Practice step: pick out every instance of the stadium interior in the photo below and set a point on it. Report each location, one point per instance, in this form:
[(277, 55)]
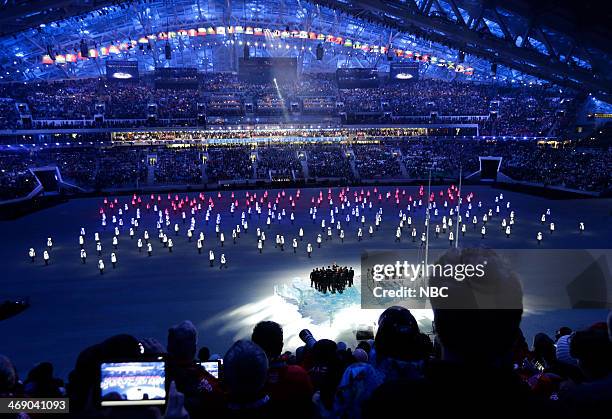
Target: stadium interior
[(485, 124)]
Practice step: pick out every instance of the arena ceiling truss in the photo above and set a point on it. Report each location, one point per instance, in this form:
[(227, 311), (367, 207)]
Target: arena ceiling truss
[(524, 43), (566, 42)]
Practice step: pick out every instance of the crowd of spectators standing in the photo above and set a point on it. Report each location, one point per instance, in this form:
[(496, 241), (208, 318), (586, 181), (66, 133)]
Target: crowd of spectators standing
[(530, 110), (476, 362)]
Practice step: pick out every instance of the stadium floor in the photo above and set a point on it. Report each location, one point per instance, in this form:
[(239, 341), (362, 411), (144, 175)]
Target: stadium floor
[(73, 306)]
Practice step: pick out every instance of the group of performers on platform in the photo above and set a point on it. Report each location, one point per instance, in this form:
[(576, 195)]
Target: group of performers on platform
[(333, 278)]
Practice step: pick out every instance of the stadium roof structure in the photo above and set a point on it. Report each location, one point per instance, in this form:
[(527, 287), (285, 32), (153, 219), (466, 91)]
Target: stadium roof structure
[(565, 42)]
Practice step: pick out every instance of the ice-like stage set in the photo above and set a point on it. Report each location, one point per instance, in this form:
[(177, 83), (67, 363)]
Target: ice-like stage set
[(319, 307)]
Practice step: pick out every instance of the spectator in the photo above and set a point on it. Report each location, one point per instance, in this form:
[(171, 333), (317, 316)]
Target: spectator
[(245, 370), (563, 331), (9, 382), (476, 371), (399, 346), (593, 350), (83, 380), (204, 354), (356, 386), (325, 373), (481, 338), (288, 386), (542, 369), (563, 350), (40, 382), (201, 390), (360, 355)]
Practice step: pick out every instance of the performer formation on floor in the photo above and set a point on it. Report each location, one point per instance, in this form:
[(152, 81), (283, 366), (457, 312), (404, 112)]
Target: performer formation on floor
[(210, 222)]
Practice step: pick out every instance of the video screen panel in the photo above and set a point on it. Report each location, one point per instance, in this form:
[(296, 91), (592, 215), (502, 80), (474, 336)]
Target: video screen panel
[(357, 78), (122, 70), (132, 383), (176, 72), (403, 72), (266, 69), (176, 78), (212, 367)]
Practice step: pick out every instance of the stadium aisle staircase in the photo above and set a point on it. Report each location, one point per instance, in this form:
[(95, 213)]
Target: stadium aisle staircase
[(400, 161), (353, 165), (304, 163), (204, 175), (255, 161), (151, 175)]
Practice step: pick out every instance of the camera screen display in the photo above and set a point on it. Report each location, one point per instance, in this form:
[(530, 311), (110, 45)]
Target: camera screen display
[(212, 367), (132, 383)]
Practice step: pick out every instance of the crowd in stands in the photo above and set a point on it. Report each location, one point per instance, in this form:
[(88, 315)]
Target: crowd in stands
[(522, 113), (566, 166), (86, 167), (243, 134), (270, 105), (476, 362), (176, 104), (178, 166), (443, 158), (15, 178), (76, 165), (8, 113), (126, 101), (229, 163), (437, 95), (224, 105), (376, 161), (328, 162), (584, 167), (525, 111), (121, 167), (65, 99), (280, 162)]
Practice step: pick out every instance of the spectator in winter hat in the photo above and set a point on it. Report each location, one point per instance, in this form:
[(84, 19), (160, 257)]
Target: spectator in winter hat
[(245, 371)]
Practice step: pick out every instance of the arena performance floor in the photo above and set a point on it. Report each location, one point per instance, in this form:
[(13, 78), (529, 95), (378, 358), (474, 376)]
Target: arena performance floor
[(73, 306)]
